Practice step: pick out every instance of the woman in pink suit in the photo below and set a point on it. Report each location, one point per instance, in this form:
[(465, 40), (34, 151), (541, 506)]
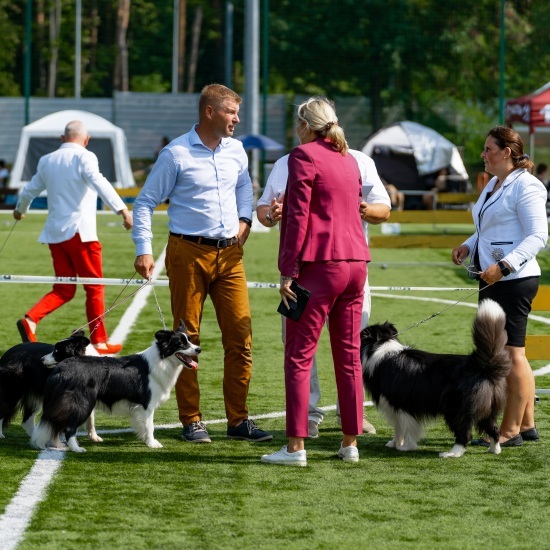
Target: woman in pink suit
[(323, 248)]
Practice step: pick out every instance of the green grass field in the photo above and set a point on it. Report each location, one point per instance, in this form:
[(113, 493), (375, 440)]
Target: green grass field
[(121, 494)]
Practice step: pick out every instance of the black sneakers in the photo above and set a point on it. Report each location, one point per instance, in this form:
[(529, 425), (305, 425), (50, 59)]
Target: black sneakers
[(248, 431), (195, 433)]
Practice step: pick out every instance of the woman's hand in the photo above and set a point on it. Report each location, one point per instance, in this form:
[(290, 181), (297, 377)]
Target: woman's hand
[(460, 253), (285, 292), (492, 274)]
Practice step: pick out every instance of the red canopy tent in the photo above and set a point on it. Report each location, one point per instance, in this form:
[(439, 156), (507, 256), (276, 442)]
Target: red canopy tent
[(531, 109)]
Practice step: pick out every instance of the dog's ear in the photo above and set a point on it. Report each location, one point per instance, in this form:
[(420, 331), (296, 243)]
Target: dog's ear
[(163, 336), (182, 328), (79, 332)]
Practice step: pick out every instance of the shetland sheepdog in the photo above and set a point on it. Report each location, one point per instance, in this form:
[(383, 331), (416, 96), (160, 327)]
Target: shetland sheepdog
[(410, 387)]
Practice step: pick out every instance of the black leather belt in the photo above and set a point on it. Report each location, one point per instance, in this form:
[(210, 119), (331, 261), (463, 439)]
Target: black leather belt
[(218, 243)]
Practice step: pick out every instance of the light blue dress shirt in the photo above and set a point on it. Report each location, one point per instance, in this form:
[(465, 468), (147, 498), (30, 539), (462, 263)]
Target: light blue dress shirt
[(208, 190)]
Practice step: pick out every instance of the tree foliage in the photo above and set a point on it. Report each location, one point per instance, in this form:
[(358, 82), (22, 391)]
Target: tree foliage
[(431, 61)]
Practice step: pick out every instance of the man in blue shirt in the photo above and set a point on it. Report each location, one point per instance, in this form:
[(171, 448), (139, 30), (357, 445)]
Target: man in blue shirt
[(204, 174)]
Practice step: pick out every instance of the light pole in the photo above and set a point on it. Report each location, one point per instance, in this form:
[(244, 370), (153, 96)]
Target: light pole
[(502, 55)]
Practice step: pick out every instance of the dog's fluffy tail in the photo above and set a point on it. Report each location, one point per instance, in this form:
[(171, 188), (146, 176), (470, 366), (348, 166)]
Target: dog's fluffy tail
[(489, 335), (42, 435)]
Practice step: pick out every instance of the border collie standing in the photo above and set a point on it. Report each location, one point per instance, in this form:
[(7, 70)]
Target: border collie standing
[(410, 386), (24, 371), (132, 385)]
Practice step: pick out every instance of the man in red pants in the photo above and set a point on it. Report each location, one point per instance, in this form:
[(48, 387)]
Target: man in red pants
[(73, 181)]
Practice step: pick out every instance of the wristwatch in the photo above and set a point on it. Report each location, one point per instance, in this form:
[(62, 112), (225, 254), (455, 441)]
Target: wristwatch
[(269, 218), (246, 220), (503, 268)]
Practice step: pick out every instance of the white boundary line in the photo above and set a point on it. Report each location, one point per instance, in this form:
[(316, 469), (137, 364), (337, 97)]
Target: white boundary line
[(19, 512)]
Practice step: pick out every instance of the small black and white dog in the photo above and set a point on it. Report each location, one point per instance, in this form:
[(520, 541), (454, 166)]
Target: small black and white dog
[(410, 386), (24, 371), (131, 385)]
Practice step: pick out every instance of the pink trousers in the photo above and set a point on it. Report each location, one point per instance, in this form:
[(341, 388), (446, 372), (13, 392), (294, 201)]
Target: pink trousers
[(337, 291), (73, 258)]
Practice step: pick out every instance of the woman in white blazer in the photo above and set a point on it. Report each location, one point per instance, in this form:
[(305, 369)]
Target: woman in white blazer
[(511, 228)]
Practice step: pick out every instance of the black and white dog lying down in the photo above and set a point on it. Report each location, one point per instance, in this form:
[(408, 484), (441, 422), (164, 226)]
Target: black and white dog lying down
[(410, 386), (131, 385), (24, 371)]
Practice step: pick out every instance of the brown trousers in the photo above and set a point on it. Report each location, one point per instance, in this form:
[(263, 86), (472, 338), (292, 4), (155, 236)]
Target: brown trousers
[(195, 271)]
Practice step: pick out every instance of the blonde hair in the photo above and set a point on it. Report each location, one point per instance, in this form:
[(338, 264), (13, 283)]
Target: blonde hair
[(216, 95), (319, 115)]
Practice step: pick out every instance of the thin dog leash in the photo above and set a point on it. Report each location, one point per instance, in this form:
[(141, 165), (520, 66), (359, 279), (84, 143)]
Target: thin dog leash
[(443, 310), (114, 304), (158, 305), (9, 235)]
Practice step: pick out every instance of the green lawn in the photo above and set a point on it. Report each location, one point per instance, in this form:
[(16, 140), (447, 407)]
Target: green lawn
[(120, 494)]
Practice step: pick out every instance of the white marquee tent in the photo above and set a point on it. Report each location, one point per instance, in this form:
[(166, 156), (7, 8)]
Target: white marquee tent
[(107, 141)]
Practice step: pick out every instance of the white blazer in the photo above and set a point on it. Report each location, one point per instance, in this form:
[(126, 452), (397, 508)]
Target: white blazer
[(511, 225), (73, 181)]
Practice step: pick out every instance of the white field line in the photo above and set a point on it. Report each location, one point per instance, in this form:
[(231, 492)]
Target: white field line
[(18, 513), (32, 490)]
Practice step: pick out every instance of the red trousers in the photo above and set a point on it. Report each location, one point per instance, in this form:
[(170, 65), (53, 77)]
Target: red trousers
[(73, 258), (337, 292)]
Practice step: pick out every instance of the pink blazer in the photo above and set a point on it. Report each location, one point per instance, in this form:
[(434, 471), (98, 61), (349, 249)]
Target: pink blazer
[(321, 220)]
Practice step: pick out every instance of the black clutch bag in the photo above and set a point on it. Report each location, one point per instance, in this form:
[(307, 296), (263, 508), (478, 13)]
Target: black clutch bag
[(296, 308)]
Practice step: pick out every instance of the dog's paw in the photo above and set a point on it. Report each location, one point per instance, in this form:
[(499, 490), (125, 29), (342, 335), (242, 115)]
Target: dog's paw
[(494, 448), (154, 444), (456, 452), (95, 438), (391, 444), (2, 436)]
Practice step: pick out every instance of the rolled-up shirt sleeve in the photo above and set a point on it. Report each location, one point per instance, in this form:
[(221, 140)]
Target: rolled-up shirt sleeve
[(243, 190)]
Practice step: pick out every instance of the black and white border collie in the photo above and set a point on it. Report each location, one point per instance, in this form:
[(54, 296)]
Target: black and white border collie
[(24, 371), (410, 386), (131, 385)]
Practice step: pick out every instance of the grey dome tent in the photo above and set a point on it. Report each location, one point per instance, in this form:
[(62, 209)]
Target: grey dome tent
[(407, 154), (107, 141)]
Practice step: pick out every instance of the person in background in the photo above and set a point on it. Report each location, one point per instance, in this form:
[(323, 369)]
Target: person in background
[(204, 173), (374, 209), (397, 198), (323, 248), (511, 228), (4, 173), (542, 173), (72, 179)]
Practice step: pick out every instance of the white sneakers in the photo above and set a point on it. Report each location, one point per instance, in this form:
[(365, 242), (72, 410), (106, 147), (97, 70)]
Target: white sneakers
[(298, 458), (283, 457), (368, 428), (348, 454)]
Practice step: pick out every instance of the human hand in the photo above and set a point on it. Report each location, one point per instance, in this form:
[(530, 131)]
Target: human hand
[(144, 265), (127, 219), (491, 275), (460, 253), (276, 209), (285, 291), (17, 215), (363, 206), (244, 232)]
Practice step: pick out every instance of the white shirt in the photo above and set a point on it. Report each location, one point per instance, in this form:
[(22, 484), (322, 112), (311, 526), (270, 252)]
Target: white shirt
[(208, 190), (511, 225), (373, 190), (73, 181)]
